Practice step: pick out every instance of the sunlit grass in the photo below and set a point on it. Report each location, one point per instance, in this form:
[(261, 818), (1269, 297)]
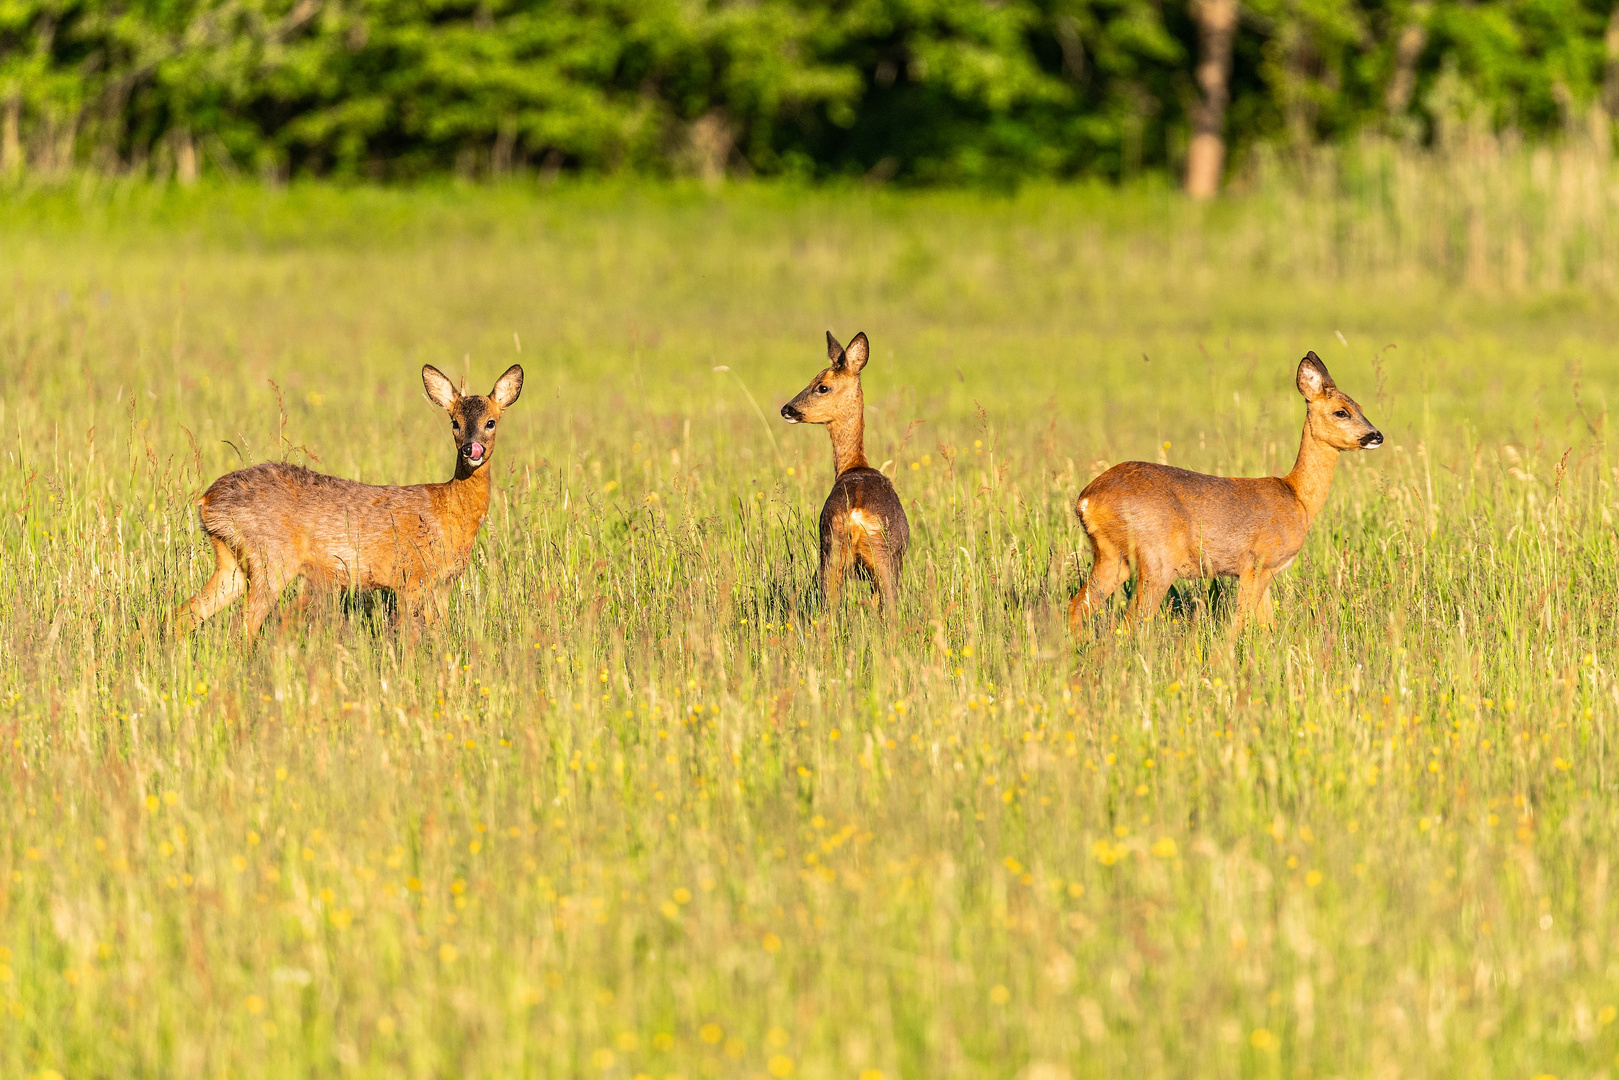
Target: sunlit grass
[(641, 807)]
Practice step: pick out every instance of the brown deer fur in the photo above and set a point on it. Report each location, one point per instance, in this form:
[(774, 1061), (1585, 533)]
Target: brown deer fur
[(863, 523), (275, 523), (1169, 523)]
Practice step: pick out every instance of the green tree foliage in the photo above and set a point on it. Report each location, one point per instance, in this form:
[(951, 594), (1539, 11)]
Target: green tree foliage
[(919, 90)]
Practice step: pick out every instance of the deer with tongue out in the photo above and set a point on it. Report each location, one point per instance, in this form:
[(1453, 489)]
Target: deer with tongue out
[(273, 524)]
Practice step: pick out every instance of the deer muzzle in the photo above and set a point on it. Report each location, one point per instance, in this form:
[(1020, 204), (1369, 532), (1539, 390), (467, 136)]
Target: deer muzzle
[(791, 415), (1371, 440), (475, 452)]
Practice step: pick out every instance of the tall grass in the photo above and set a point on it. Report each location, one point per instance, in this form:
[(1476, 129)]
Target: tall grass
[(642, 807)]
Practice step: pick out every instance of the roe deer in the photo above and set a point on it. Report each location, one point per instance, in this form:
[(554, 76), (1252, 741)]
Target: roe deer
[(1170, 523), (863, 522), (274, 523)]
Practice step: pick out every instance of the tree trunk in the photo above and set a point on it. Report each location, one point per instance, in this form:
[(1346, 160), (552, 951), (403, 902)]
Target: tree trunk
[(711, 143), (56, 142), (500, 157), (1216, 30), (11, 135), (1299, 108), (185, 158), (1407, 51)]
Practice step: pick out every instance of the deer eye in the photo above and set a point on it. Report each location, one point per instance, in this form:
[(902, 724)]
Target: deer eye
[(823, 389), (455, 425), (489, 426), (1342, 414)]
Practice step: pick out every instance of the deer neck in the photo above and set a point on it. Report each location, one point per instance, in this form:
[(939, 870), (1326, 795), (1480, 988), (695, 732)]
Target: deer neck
[(467, 497), (1312, 472), (849, 438)]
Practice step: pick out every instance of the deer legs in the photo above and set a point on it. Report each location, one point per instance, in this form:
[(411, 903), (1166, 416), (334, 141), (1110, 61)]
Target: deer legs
[(424, 606), (1108, 572), (1111, 570), (859, 549), (232, 577), (262, 581), (261, 600), (223, 589), (1253, 599), (1152, 585), (834, 561), (887, 575)]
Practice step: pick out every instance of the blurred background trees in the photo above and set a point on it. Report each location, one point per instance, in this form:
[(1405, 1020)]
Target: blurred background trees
[(919, 91)]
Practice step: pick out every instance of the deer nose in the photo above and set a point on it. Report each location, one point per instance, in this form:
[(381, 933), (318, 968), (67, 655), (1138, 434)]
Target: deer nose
[(790, 414), (1371, 440)]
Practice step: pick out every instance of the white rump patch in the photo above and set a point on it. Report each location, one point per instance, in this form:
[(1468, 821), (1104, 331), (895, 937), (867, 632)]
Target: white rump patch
[(859, 519)]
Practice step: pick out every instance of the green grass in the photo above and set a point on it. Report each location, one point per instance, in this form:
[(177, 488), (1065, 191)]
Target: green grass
[(641, 807)]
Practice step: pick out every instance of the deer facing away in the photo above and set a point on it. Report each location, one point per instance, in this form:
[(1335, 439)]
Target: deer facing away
[(275, 523), (863, 523), (1168, 523)]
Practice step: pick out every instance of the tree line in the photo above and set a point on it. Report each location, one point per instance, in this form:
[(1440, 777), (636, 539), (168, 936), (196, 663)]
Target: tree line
[(920, 91)]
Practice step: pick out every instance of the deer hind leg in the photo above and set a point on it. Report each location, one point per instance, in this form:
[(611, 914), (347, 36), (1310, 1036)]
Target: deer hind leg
[(885, 571), (265, 580), (1152, 585), (866, 549), (261, 600), (302, 599), (223, 589), (1108, 572), (834, 562)]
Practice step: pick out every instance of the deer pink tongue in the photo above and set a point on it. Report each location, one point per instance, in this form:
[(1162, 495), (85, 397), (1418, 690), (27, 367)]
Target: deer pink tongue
[(477, 451)]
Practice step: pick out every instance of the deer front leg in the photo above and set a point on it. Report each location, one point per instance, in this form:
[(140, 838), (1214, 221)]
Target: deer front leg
[(411, 604), (1264, 609), (1253, 599), (435, 601), (834, 560), (887, 575)]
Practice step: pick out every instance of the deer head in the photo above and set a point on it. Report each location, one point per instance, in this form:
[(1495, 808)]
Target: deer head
[(473, 417)]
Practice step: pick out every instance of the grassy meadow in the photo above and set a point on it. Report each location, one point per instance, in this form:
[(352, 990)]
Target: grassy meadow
[(641, 808)]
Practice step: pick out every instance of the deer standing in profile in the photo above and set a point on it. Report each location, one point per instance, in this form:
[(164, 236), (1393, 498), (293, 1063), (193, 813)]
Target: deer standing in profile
[(863, 522), (1170, 523), (275, 523)]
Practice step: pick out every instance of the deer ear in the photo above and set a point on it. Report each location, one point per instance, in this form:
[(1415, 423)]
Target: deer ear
[(1313, 378), (508, 387), (834, 351), (440, 390), (857, 353)]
